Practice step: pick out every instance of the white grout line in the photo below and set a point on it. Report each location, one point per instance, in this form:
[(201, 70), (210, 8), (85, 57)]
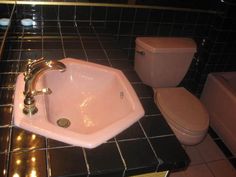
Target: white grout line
[(62, 42), (86, 162), (97, 36), (149, 142), (121, 156), (82, 44)]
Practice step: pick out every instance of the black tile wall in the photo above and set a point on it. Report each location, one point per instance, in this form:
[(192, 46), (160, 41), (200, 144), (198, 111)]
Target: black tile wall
[(5, 10)]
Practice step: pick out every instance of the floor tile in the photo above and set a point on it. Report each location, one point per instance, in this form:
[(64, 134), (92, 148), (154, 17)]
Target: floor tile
[(177, 174), (222, 168), (198, 171), (194, 155), (209, 150)]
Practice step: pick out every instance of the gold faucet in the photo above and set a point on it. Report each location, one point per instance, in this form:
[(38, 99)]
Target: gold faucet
[(34, 69)]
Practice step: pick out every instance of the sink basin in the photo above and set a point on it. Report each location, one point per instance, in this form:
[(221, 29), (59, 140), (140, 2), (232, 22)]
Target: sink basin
[(89, 104)]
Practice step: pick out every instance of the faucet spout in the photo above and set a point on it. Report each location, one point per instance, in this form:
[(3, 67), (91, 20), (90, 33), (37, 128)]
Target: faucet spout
[(34, 69)]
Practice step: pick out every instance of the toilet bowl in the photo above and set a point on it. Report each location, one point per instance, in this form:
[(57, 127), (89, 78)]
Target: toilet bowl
[(162, 62), (184, 113)]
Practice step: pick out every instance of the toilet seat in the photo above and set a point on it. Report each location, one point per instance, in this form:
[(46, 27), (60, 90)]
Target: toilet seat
[(182, 110)]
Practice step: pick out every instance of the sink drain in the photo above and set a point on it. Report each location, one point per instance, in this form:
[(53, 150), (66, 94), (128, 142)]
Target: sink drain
[(63, 122)]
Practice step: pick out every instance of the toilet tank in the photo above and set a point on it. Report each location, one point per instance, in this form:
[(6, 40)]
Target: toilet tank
[(163, 61)]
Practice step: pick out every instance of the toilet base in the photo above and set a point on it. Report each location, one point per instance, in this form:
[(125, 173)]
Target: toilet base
[(187, 139)]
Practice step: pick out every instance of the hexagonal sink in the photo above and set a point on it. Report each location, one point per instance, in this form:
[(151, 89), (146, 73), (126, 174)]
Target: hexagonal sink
[(89, 104)]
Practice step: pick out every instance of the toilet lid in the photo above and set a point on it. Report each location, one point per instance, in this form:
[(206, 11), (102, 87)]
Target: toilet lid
[(182, 109)]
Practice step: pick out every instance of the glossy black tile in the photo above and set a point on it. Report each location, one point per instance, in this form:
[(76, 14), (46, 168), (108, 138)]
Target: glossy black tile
[(170, 153), (113, 27), (67, 162), (7, 80), (67, 12), (52, 44), (110, 45), (109, 174), (29, 163), (11, 55), (139, 154), (143, 90), (164, 30), (67, 24), (128, 14), (103, 153), (98, 13), (6, 96), (149, 106), (116, 54), (5, 115), (92, 45), (123, 65), (132, 132), (4, 140), (25, 140), (51, 30), (77, 53), (3, 164), (132, 76), (152, 28), (142, 15), (28, 11), (125, 28), (113, 14), (22, 65), (69, 31), (155, 126), (8, 66), (89, 38), (54, 143), (177, 30), (155, 15), (83, 13), (101, 62), (31, 44), (139, 28), (96, 54), (35, 54), (53, 54), (72, 44), (50, 12)]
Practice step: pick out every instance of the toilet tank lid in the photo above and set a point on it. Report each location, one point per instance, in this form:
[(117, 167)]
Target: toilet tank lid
[(167, 44)]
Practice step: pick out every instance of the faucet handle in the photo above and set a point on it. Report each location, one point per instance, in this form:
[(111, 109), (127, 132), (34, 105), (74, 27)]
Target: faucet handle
[(29, 66), (40, 92), (37, 61)]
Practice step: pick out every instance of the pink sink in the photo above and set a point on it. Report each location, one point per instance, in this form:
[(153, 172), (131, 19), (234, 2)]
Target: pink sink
[(89, 104)]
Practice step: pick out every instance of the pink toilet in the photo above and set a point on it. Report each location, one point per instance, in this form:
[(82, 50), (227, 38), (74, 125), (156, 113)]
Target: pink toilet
[(162, 62)]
